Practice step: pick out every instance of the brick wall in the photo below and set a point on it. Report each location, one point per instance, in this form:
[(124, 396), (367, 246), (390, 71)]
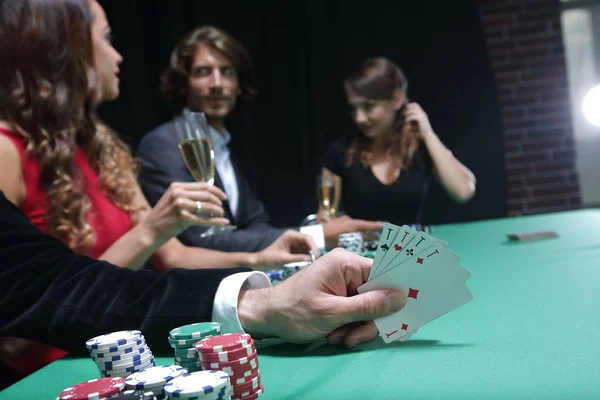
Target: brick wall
[(525, 47)]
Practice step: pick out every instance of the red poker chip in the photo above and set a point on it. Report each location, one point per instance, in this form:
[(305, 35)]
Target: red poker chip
[(248, 387), (94, 389), (228, 356), (224, 342), (244, 380), (234, 369), (239, 362), (251, 396)]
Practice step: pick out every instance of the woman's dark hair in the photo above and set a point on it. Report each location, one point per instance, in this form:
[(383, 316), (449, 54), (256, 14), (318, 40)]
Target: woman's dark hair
[(174, 80), (48, 92), (378, 78)]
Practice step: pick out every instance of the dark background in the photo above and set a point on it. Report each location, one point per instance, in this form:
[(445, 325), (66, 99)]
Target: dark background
[(301, 52)]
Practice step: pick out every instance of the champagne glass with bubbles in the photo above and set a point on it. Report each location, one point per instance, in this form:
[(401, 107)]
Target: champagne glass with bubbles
[(329, 192), (196, 148)]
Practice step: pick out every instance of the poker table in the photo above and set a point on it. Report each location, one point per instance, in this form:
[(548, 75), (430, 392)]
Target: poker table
[(531, 332)]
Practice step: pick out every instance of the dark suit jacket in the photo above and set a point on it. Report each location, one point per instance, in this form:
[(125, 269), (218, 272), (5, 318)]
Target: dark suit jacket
[(50, 295), (161, 164)]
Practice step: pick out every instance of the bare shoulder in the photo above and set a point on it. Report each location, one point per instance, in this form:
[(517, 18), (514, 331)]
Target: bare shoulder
[(12, 182)]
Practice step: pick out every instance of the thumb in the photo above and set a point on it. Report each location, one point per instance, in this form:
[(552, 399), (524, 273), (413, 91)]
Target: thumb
[(370, 305)]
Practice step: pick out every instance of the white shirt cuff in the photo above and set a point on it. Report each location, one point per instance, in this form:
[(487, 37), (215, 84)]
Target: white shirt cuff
[(225, 307), (316, 233)]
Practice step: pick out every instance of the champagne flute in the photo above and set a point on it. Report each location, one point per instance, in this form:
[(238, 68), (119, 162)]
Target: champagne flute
[(196, 148), (329, 192)]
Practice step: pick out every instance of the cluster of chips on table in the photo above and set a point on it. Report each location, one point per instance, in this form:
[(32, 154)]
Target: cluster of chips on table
[(154, 380), (119, 354), (279, 275), (200, 385), (183, 338), (351, 241), (234, 354)]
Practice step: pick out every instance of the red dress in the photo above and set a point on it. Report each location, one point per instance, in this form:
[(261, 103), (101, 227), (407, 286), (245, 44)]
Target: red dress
[(108, 221)]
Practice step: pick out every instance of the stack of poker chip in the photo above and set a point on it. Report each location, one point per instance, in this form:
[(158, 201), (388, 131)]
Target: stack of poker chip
[(154, 379), (293, 267), (276, 276), (234, 354), (101, 388), (119, 354), (182, 340), (352, 241), (200, 385)]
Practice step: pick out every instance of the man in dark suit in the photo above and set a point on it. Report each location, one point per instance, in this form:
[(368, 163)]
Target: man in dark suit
[(209, 71), (51, 295)]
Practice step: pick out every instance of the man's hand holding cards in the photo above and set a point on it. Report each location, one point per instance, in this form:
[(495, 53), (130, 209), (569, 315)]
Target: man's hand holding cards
[(423, 267)]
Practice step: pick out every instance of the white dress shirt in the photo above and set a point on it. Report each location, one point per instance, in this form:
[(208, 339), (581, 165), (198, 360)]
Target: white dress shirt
[(225, 307), (220, 141)]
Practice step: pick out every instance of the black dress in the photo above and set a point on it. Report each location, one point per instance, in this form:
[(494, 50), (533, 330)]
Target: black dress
[(365, 197)]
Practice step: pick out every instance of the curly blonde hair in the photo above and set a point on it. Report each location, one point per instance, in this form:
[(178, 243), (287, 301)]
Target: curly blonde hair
[(48, 92)]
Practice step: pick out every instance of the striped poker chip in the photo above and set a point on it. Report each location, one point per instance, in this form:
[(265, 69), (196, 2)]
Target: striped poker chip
[(195, 331), (242, 380), (134, 395), (225, 356), (93, 389), (118, 349), (153, 377), (247, 388), (131, 368), (133, 355), (128, 362), (181, 344), (251, 396), (224, 342), (240, 365), (113, 339), (198, 384)]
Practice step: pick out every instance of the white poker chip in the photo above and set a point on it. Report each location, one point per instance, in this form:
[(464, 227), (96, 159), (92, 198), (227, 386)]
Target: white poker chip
[(113, 339), (112, 365), (135, 347), (197, 384), (136, 353), (153, 377)]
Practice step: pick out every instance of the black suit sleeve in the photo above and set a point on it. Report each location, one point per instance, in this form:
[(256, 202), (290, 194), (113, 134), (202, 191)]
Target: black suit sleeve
[(49, 294), (161, 164)]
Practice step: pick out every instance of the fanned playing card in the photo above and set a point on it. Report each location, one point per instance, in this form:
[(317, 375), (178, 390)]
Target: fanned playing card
[(388, 234), (404, 235), (430, 274)]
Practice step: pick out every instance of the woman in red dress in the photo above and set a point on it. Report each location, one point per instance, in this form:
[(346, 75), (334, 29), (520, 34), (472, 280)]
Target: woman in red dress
[(71, 175)]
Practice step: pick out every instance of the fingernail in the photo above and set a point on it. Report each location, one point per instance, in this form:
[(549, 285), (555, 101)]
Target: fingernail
[(354, 343), (396, 300)]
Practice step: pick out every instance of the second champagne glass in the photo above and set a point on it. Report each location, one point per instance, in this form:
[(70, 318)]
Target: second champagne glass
[(329, 192), (196, 148)]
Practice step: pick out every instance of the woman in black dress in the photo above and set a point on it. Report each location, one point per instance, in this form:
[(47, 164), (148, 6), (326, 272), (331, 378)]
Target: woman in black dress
[(385, 169)]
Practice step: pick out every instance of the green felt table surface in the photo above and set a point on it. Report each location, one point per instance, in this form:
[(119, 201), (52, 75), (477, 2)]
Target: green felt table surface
[(531, 332)]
